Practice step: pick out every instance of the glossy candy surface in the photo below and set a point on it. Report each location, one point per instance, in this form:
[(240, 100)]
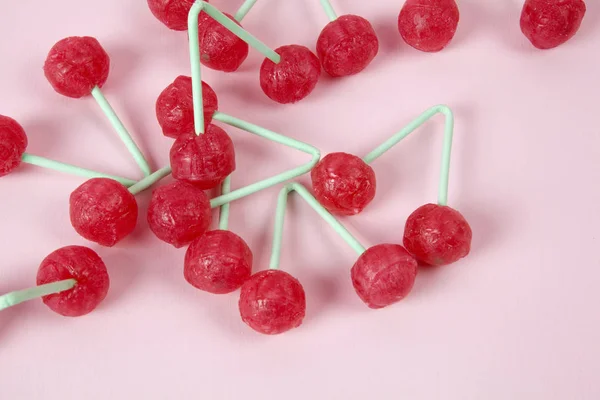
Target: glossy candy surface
[(428, 25), (172, 13), (13, 142), (550, 23), (220, 49)]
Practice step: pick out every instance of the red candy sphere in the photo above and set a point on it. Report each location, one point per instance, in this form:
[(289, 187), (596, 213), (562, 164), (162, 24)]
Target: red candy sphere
[(203, 160), (220, 49), (428, 25), (343, 183), (175, 107), (83, 265), (550, 23), (13, 142), (272, 302), (75, 65), (347, 45), (293, 78), (179, 213), (437, 235), (383, 275), (172, 13), (103, 211), (218, 262)]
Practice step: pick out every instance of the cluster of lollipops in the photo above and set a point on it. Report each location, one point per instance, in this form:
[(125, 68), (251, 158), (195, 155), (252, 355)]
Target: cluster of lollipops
[(73, 280)]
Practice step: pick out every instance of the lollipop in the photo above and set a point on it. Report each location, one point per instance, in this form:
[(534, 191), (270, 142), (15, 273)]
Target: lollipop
[(72, 281), (172, 13), (428, 25), (220, 48), (550, 23), (77, 67)]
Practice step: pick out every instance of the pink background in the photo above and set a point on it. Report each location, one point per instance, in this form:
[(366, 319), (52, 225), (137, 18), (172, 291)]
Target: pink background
[(517, 319)]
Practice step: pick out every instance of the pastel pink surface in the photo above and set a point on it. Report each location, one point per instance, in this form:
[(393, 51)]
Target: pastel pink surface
[(516, 319)]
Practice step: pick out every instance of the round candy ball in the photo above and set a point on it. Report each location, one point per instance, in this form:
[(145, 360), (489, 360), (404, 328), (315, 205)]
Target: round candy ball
[(347, 45), (203, 160), (383, 275), (103, 211), (75, 65), (428, 25), (172, 13), (179, 213), (218, 262), (343, 183), (293, 78), (83, 265), (550, 23), (13, 142), (220, 49), (175, 107), (272, 302), (437, 235)]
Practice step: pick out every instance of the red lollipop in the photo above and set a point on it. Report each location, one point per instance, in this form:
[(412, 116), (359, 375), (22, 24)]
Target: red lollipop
[(172, 13), (83, 265), (218, 262), (272, 302), (179, 213), (550, 23), (437, 235), (220, 49), (175, 109), (383, 275), (343, 183), (293, 78), (347, 45), (204, 160), (103, 211), (75, 65), (13, 142), (428, 25)]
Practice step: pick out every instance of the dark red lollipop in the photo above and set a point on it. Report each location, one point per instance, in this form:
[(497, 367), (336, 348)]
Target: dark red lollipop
[(437, 235), (272, 302), (13, 142), (75, 65), (428, 25), (172, 13), (175, 109), (218, 262), (550, 23), (83, 265), (103, 211), (220, 49), (347, 45)]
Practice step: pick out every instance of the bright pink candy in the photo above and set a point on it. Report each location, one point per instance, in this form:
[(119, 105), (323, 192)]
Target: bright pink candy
[(179, 213), (343, 183), (13, 142), (550, 23), (428, 25), (83, 265), (203, 160), (172, 13), (293, 78), (383, 275), (437, 235), (347, 45), (220, 49), (272, 302), (218, 262), (75, 65), (103, 211), (175, 107)]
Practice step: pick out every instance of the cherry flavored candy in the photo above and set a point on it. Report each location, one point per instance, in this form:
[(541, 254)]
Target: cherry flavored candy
[(83, 265), (293, 78), (172, 13), (203, 160), (343, 183), (103, 211), (218, 262), (13, 142), (550, 23), (347, 45), (428, 25), (383, 275), (272, 302), (175, 107), (179, 213), (220, 49), (75, 65), (437, 235)]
